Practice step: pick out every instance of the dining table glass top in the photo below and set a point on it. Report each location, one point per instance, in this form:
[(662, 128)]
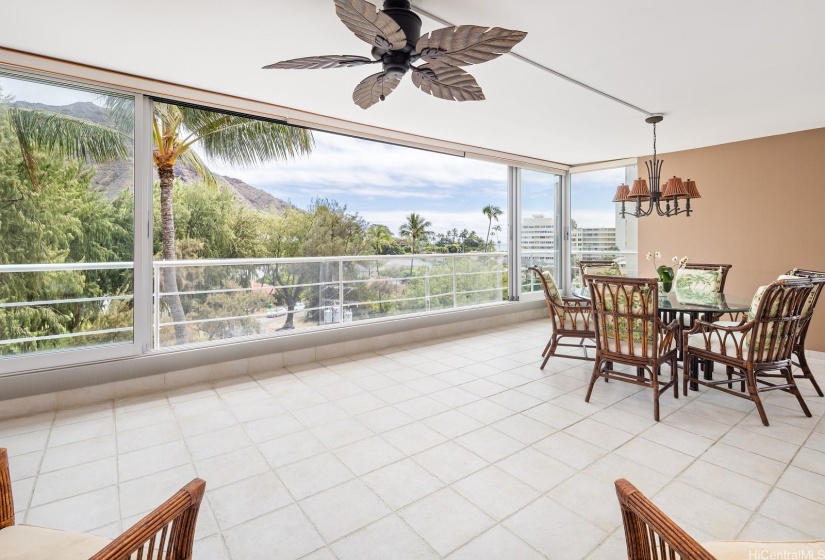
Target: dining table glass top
[(704, 303)]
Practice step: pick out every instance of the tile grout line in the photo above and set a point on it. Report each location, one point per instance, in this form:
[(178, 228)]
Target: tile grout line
[(776, 482)]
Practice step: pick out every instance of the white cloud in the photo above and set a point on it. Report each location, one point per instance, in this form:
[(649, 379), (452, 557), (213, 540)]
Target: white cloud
[(371, 169)]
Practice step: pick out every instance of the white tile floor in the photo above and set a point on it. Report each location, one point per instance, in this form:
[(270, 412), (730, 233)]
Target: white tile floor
[(460, 448)]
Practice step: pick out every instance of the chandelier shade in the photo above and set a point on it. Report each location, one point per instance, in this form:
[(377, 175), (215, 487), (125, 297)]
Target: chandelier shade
[(640, 189), (692, 191), (622, 192)]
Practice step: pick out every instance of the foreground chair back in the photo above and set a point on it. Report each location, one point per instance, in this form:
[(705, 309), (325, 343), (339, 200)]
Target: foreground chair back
[(805, 323), (764, 343), (649, 533), (570, 318), (630, 332), (652, 535), (167, 533)]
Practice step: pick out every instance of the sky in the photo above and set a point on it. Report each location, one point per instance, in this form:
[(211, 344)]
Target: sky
[(384, 183)]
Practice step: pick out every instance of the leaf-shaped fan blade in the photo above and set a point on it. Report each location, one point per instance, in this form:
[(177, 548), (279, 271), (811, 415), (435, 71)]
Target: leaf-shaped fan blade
[(467, 44), (321, 62), (376, 28), (372, 88), (447, 82)]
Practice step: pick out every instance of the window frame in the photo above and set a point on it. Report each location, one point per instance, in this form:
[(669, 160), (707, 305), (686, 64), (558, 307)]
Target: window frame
[(143, 289)]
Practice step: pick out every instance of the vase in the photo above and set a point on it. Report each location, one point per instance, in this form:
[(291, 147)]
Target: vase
[(666, 276)]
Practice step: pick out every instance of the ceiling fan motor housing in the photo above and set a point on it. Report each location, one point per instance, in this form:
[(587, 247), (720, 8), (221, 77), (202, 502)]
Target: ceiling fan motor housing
[(409, 22)]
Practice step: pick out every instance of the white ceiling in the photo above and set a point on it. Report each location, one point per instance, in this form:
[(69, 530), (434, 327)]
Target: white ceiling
[(719, 71)]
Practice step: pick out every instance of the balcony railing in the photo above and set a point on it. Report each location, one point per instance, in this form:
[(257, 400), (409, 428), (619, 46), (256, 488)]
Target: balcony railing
[(76, 305), (224, 299)]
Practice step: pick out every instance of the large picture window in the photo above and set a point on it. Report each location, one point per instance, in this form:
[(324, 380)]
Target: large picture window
[(66, 218), (263, 228)]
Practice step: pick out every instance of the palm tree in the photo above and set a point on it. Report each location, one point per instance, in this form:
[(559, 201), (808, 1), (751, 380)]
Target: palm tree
[(176, 130), (379, 238), (415, 228), (492, 213), (232, 139)]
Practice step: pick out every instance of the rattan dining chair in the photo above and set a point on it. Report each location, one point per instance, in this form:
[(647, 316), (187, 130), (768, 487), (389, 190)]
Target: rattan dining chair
[(651, 535), (570, 317), (630, 332), (764, 343), (805, 323), (168, 532)]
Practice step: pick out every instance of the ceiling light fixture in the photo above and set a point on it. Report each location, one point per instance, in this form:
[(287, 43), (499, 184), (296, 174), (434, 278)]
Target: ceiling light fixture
[(671, 193)]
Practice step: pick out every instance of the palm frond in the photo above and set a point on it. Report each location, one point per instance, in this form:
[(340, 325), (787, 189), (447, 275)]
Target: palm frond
[(242, 141), (68, 137), (121, 112), (191, 158)]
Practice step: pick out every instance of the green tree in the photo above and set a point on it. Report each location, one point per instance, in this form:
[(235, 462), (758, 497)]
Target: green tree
[(379, 238), (50, 214), (415, 229), (492, 213), (325, 229)]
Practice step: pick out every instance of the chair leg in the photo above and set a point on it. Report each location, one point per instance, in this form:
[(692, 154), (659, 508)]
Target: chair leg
[(686, 371), (546, 348), (795, 391), (674, 375), (729, 371), (593, 377), (654, 384), (754, 394), (806, 370), (551, 352)]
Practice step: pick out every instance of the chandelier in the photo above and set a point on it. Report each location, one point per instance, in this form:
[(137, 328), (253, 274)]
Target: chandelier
[(666, 201)]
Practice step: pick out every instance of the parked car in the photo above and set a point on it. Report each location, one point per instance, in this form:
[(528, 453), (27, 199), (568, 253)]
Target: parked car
[(279, 311)]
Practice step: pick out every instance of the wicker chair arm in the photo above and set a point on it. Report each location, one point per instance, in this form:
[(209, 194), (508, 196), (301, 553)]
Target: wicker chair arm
[(6, 499), (577, 301), (170, 527), (700, 326)]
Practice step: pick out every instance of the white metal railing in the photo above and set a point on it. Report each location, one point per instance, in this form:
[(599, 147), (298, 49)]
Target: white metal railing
[(243, 297), (44, 269), (265, 296)]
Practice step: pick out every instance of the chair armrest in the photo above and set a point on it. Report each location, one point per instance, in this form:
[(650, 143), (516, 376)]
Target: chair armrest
[(6, 499), (705, 327), (721, 334), (170, 528), (573, 300)]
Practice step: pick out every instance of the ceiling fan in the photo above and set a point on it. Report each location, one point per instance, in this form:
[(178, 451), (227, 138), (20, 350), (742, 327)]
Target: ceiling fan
[(395, 35)]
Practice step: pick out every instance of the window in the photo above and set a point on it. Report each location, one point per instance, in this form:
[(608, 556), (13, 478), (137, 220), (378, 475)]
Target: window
[(313, 229), (66, 219), (598, 232), (540, 234)]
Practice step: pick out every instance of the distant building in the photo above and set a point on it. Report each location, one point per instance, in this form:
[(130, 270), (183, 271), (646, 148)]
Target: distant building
[(538, 233)]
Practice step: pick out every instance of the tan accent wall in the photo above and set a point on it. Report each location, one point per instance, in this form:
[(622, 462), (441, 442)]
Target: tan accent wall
[(762, 210)]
